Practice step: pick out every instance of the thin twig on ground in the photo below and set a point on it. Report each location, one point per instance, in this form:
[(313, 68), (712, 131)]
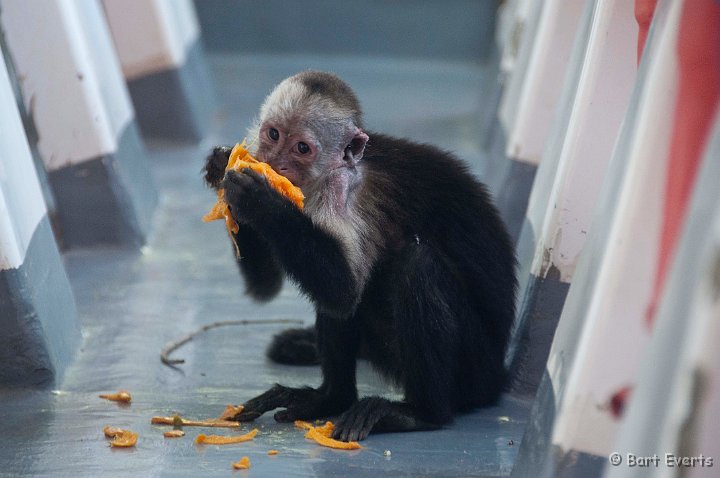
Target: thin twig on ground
[(176, 344)]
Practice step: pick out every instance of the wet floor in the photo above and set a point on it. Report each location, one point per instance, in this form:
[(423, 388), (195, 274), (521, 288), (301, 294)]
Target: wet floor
[(132, 303)]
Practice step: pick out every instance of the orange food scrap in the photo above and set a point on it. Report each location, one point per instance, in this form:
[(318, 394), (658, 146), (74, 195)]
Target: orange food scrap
[(122, 396), (273, 452), (243, 464), (325, 430), (178, 421), (240, 158), (112, 432), (321, 435), (124, 439), (174, 434), (304, 425), (230, 412), (225, 440)]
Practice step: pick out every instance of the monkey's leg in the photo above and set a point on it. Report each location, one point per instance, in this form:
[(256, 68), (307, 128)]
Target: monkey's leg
[(428, 306), (337, 343)]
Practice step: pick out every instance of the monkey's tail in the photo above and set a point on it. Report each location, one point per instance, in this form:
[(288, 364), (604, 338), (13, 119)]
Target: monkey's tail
[(296, 346)]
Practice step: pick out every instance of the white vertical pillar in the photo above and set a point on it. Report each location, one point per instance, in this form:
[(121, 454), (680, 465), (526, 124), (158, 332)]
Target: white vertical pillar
[(159, 48), (37, 311), (615, 282), (568, 180), (538, 89), (601, 334), (675, 405), (75, 94)]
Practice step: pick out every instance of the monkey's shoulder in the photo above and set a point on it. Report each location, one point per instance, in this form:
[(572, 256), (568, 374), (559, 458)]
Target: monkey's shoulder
[(420, 163)]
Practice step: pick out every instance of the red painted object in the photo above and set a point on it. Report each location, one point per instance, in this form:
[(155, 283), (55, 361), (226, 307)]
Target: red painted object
[(698, 51), (644, 10), (619, 400)]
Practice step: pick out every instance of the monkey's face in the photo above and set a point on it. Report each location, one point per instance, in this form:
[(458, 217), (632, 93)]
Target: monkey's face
[(291, 152), (304, 150), (305, 133)]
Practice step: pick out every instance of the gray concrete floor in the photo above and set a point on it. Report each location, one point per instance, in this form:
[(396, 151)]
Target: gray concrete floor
[(132, 303)]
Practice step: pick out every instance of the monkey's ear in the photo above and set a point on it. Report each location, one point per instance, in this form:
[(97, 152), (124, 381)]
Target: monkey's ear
[(354, 150)]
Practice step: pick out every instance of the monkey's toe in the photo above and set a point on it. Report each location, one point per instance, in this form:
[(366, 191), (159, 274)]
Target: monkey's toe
[(246, 416), (357, 422), (285, 416)]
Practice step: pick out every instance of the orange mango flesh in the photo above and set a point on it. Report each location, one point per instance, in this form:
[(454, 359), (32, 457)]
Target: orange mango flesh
[(122, 396), (120, 438), (178, 421), (321, 435), (272, 452), (243, 464), (174, 434), (230, 412), (225, 440), (240, 158)]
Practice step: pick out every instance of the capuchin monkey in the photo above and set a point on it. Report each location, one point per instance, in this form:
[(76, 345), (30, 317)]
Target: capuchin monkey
[(399, 249)]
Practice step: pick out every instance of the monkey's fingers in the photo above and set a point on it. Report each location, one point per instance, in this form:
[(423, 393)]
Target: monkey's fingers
[(277, 397), (215, 165), (245, 416), (303, 412), (357, 422)]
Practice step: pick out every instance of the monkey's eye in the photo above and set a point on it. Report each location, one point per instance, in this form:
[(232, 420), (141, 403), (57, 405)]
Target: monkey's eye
[(303, 148), (273, 134)]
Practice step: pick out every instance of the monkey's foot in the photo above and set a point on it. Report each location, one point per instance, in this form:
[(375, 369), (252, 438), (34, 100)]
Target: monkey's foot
[(378, 415), (299, 403)]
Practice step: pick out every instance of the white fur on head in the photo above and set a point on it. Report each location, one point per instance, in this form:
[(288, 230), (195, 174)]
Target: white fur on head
[(291, 100)]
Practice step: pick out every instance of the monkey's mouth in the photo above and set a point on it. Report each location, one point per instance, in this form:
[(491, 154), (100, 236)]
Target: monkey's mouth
[(289, 175)]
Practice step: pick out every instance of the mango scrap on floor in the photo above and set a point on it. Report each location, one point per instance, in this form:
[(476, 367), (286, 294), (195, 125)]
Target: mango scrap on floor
[(183, 422), (121, 396), (120, 438), (321, 435), (203, 439), (230, 412), (243, 464)]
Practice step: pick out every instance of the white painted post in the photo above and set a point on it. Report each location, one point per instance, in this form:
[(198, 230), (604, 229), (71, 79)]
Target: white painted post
[(37, 311), (158, 43), (601, 335), (675, 404), (537, 91), (620, 263), (570, 175), (74, 92)]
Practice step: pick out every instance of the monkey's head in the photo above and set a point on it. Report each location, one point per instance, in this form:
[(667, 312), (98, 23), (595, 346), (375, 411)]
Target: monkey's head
[(310, 125)]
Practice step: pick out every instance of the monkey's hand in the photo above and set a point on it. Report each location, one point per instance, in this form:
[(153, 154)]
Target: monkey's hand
[(215, 165), (250, 197), (298, 403)]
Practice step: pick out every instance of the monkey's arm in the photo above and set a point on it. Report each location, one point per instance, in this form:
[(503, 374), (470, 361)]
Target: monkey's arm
[(258, 266), (309, 254)]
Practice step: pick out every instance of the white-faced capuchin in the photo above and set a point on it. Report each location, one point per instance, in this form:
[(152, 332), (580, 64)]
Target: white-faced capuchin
[(398, 247)]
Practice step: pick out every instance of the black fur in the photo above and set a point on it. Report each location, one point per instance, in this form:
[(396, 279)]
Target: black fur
[(262, 272), (295, 347), (436, 313)]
